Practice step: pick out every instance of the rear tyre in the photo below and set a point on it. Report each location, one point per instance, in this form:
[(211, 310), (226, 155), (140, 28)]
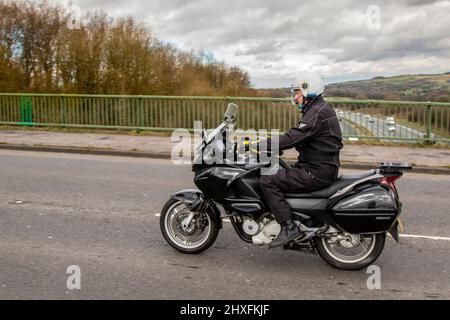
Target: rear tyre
[(358, 252), (200, 234)]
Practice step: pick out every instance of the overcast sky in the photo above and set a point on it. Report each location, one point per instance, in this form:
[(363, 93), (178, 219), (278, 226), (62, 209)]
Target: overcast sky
[(276, 40)]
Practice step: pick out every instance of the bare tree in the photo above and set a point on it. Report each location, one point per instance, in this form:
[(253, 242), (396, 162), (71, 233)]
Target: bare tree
[(39, 53)]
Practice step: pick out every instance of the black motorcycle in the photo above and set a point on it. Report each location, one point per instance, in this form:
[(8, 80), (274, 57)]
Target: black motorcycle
[(346, 223)]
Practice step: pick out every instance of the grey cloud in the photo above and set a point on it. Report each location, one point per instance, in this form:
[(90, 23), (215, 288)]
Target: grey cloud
[(267, 46), (422, 33), (328, 35), (414, 3)]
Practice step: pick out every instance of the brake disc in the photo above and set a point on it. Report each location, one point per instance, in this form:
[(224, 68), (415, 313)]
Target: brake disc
[(197, 223), (350, 241), (180, 219)]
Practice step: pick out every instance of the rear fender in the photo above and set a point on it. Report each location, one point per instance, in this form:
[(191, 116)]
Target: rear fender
[(393, 231)]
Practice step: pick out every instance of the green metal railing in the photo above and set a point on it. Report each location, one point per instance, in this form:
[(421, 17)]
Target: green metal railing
[(368, 119)]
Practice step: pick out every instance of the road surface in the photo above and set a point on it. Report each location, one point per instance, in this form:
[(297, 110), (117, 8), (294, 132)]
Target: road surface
[(100, 214), (379, 127)]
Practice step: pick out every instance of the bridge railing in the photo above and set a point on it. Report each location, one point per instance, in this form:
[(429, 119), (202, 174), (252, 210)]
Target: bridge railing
[(360, 119)]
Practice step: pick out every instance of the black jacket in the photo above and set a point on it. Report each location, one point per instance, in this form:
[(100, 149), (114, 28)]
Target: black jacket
[(318, 139)]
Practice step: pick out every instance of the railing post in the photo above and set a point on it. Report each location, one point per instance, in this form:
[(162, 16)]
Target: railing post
[(140, 114), (61, 109), (429, 114), (227, 101), (26, 110)]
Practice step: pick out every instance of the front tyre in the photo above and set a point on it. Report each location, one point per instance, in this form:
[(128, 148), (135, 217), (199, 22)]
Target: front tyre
[(198, 236), (351, 251)]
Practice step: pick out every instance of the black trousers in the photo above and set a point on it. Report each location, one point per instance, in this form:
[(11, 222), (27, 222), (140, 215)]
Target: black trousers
[(293, 180)]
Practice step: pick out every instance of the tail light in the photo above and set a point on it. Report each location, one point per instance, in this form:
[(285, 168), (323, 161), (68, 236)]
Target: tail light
[(390, 181), (391, 172)]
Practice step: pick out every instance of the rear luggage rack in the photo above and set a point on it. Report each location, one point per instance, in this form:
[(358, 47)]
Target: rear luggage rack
[(394, 166)]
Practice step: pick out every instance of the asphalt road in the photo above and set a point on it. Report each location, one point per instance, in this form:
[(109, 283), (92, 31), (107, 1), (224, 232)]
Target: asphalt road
[(98, 212), (347, 129), (379, 127)]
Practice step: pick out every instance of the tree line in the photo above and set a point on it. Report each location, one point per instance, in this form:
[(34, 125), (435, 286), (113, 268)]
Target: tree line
[(41, 52)]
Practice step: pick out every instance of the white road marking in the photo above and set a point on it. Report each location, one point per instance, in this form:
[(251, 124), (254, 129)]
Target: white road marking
[(402, 235), (423, 237)]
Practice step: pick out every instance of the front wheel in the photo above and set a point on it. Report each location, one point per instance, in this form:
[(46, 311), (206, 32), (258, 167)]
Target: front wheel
[(351, 251), (198, 236)]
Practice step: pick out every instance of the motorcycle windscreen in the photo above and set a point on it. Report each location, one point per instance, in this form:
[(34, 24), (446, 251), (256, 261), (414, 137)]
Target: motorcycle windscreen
[(368, 211)]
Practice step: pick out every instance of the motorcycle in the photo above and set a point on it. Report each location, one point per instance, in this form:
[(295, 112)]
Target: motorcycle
[(345, 223)]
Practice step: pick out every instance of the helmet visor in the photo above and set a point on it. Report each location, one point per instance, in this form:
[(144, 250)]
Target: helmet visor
[(295, 94)]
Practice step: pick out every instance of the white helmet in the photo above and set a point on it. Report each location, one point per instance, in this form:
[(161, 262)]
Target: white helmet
[(311, 85)]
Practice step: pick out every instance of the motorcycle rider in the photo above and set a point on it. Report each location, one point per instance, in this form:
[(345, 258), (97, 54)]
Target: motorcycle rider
[(318, 139)]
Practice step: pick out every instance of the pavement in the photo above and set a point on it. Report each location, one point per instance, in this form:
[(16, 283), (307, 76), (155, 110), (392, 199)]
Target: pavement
[(100, 213), (353, 156)]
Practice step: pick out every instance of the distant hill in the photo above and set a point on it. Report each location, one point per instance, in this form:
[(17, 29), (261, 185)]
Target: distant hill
[(274, 93), (406, 87), (419, 87)]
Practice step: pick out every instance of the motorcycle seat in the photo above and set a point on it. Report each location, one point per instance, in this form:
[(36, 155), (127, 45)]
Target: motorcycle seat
[(341, 182)]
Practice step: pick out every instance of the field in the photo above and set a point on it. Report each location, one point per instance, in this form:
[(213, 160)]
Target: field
[(405, 87)]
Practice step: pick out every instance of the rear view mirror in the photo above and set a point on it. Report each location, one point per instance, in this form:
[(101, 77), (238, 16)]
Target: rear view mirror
[(230, 114)]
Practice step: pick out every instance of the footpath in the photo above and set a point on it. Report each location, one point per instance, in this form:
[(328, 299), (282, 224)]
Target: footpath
[(353, 156)]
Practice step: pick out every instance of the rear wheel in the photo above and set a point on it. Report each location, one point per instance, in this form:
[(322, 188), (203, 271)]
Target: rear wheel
[(198, 236), (351, 251)]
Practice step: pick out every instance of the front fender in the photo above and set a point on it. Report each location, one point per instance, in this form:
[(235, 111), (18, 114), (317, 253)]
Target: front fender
[(187, 196), (191, 198)]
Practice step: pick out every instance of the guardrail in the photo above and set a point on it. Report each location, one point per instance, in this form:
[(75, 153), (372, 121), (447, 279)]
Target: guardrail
[(360, 119)]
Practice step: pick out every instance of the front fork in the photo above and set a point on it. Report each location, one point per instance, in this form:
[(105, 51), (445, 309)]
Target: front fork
[(186, 222), (197, 206)]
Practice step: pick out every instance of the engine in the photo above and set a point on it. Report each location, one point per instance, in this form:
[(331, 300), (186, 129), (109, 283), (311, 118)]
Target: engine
[(263, 231)]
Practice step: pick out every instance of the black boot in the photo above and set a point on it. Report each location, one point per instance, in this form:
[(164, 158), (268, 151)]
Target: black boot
[(289, 231)]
